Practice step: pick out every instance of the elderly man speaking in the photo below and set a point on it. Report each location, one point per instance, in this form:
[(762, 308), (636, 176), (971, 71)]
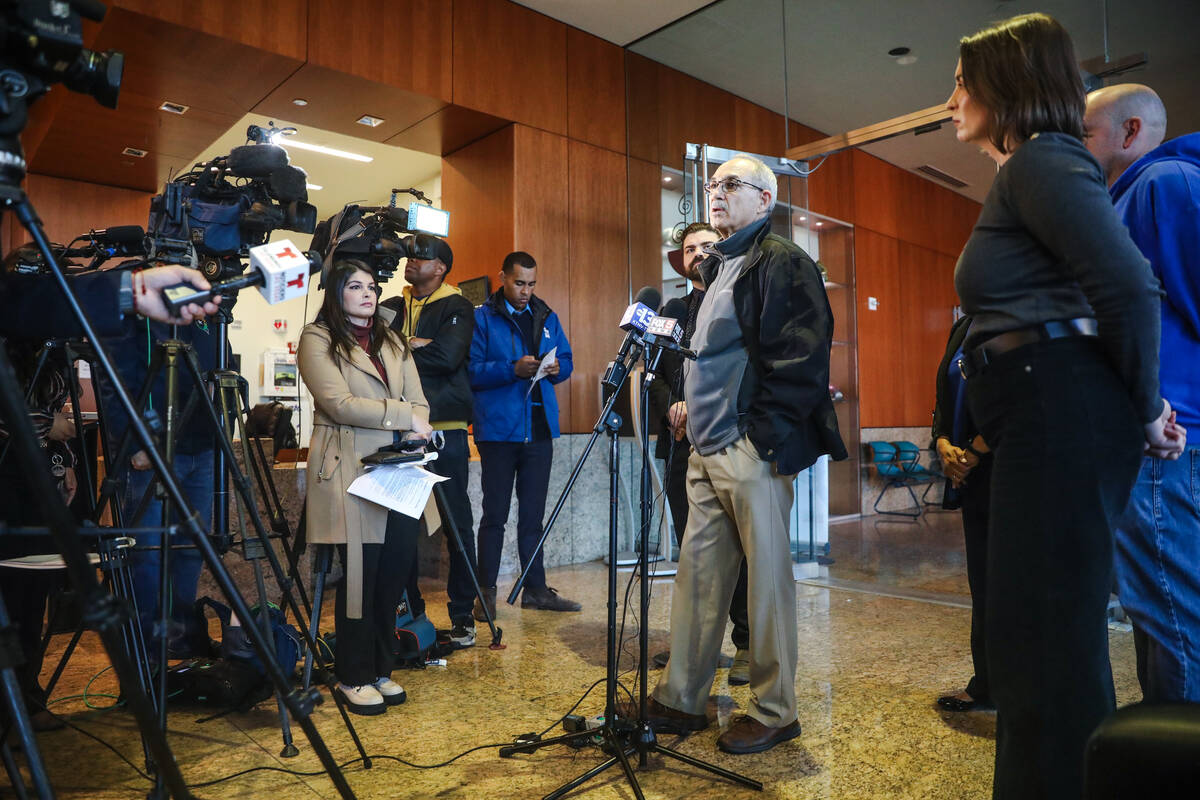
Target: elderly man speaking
[(757, 411)]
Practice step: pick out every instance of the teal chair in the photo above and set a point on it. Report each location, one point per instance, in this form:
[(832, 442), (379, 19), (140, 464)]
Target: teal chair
[(899, 469)]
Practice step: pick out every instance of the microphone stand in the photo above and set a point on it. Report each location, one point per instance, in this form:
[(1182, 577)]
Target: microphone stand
[(621, 737)]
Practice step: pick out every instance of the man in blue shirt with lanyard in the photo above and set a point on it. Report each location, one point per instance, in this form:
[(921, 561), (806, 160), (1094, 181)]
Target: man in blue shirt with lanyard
[(516, 422)]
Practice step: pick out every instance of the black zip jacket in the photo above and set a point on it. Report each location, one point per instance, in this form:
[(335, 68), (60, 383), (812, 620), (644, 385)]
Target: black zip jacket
[(787, 325), (442, 364)]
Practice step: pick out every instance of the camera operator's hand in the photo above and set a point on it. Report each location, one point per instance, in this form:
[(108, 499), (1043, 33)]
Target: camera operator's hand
[(147, 294), (140, 461), (526, 367)]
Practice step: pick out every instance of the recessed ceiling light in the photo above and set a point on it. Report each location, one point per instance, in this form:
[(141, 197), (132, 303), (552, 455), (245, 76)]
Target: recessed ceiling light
[(819, 224), (312, 187), (369, 121), (290, 141), (666, 178), (804, 219), (173, 108), (133, 151), (299, 101)]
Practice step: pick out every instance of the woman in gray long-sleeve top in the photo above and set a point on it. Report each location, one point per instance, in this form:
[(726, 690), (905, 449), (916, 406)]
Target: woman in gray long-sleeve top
[(1062, 382)]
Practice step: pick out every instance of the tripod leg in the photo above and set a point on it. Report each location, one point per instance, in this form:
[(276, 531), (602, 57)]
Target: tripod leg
[(15, 700), (704, 765), (448, 520), (324, 552), (571, 786), (13, 770), (264, 620), (618, 748)]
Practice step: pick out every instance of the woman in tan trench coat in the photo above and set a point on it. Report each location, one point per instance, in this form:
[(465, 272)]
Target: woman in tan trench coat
[(367, 395)]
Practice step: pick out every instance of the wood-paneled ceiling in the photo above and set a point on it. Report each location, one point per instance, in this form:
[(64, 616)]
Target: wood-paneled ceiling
[(220, 79)]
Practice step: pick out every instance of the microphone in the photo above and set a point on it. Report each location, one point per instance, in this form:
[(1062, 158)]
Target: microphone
[(664, 332), (633, 321), (279, 269), (124, 240), (256, 160)]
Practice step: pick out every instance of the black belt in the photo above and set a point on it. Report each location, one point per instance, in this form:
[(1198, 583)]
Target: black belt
[(975, 360)]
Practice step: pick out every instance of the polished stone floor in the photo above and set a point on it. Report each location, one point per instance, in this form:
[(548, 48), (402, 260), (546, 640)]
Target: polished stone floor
[(882, 631)]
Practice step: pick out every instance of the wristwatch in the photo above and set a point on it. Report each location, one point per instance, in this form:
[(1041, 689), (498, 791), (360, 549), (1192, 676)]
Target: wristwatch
[(971, 449)]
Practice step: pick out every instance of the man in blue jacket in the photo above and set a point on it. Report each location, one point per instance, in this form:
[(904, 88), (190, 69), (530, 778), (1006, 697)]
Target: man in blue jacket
[(516, 423), (1156, 189)]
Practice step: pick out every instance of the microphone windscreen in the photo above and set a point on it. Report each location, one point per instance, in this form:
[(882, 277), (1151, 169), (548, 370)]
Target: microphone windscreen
[(257, 160), (674, 309), (122, 234), (649, 296), (288, 184)]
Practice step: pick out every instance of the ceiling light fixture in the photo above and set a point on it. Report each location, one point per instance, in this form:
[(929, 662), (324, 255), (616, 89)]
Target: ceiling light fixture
[(173, 108), (290, 142), (312, 187), (135, 152), (299, 101), (369, 121)]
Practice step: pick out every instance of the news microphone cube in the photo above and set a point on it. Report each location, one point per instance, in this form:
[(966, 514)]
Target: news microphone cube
[(664, 327), (284, 268), (637, 315)]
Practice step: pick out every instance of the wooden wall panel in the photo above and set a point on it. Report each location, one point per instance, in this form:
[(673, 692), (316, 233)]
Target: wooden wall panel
[(880, 349), (831, 188), (756, 129), (275, 25), (595, 91), (927, 301), (691, 111), (541, 227), (511, 62), (599, 277), (360, 38), (68, 208), (643, 107), (645, 224), (477, 190)]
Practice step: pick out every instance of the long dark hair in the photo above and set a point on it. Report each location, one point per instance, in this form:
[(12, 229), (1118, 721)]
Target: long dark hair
[(1023, 71), (341, 338)]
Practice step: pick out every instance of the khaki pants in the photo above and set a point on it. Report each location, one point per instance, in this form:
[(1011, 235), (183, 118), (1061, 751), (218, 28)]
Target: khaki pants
[(737, 505)]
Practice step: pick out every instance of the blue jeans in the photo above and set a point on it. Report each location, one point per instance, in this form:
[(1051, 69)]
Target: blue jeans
[(1158, 576), (194, 471)]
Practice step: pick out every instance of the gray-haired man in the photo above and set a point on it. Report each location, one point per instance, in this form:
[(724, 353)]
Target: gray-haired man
[(757, 412)]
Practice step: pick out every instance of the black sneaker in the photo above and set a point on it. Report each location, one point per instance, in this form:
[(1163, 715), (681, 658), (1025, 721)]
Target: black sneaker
[(547, 599), (462, 635)]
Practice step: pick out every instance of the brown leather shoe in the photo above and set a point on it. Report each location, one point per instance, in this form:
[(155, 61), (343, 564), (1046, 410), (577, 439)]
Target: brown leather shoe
[(664, 719), (748, 735)]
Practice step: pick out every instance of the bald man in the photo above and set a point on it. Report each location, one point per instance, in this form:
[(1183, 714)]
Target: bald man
[(1156, 189)]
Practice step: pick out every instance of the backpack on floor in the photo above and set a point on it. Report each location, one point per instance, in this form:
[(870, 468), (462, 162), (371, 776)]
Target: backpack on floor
[(236, 646), (415, 637)]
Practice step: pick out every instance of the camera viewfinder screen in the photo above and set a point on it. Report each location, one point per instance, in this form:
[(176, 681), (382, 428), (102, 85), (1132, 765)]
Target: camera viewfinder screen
[(428, 219)]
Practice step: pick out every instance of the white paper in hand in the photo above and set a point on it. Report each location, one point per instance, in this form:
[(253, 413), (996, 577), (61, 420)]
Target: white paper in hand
[(543, 368), (403, 488)]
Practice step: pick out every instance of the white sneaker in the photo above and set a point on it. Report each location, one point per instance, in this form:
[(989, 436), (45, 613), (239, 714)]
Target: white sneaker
[(392, 693), (365, 700)]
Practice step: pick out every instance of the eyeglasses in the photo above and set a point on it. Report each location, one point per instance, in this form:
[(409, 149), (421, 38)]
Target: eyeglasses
[(728, 186)]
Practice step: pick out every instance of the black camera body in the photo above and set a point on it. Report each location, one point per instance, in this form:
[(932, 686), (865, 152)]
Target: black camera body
[(41, 44), (377, 235), (210, 217)]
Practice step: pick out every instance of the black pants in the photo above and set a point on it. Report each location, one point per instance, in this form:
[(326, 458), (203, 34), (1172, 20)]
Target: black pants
[(452, 463), (529, 464), (976, 497), (363, 647), (1067, 446), (678, 502)]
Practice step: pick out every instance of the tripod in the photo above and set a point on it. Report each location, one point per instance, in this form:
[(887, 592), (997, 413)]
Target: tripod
[(170, 357), (621, 738)]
